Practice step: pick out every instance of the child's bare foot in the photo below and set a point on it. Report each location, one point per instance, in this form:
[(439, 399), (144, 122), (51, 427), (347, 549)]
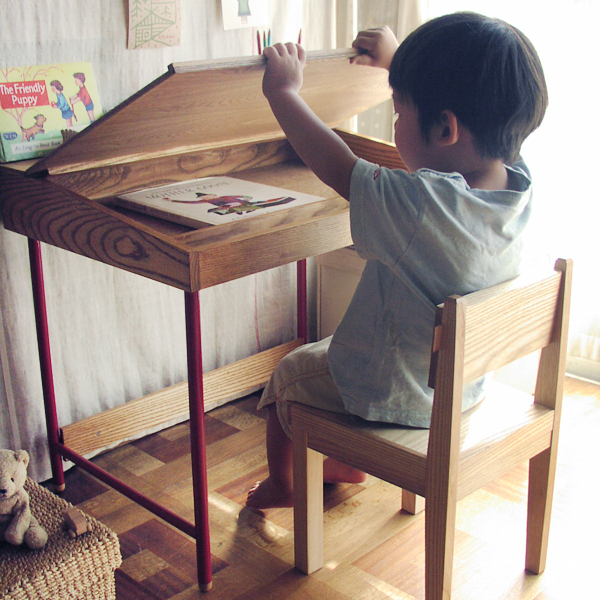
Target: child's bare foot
[(337, 472), (268, 494)]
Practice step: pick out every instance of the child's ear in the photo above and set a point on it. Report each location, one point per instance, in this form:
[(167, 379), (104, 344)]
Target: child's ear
[(447, 131)]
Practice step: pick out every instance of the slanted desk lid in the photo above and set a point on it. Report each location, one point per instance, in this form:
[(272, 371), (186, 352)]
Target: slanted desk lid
[(202, 105)]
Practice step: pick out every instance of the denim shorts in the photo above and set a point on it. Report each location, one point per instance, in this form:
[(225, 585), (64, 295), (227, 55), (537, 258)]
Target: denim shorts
[(303, 376)]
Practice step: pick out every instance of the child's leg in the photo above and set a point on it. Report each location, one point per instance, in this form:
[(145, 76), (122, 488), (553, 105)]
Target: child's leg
[(277, 489), (302, 376)]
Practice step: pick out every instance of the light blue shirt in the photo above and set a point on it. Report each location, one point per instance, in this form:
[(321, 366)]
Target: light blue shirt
[(425, 236)]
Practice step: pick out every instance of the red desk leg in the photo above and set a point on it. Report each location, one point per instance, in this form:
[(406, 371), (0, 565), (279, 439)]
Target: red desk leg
[(41, 321), (198, 440), (301, 300)]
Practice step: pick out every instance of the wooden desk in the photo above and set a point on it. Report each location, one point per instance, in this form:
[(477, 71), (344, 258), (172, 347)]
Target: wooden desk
[(199, 119)]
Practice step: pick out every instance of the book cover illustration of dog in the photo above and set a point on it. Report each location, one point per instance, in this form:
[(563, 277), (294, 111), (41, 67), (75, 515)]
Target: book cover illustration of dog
[(38, 127)]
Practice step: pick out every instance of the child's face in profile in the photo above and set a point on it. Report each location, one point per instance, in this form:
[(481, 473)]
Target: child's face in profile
[(412, 148)]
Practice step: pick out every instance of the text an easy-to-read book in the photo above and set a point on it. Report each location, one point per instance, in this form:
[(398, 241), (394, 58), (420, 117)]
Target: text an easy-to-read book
[(213, 200)]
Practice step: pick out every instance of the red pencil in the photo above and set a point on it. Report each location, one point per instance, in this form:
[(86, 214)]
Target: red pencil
[(300, 36), (258, 40)]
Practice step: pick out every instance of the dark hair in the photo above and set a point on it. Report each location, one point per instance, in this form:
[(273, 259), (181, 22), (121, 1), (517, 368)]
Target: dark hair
[(57, 84), (482, 69)]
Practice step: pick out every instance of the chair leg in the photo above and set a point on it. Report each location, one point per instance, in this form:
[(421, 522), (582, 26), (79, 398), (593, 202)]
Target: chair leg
[(308, 505), (412, 503), (440, 521), (539, 507)]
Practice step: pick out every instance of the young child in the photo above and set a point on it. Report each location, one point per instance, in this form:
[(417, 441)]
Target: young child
[(467, 90), (61, 103), (83, 96)]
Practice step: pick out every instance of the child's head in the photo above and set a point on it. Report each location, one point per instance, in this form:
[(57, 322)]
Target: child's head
[(483, 70), (57, 85), (79, 78)]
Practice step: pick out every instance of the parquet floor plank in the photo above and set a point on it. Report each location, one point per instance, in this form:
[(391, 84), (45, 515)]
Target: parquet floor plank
[(373, 551)]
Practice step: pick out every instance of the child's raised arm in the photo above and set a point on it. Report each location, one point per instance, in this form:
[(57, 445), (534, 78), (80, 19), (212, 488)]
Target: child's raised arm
[(322, 150), (376, 47)]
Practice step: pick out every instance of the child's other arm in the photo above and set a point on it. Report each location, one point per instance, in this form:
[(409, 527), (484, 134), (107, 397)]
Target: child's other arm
[(322, 150), (376, 47)]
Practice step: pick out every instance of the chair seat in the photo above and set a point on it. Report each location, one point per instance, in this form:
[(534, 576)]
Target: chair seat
[(506, 418)]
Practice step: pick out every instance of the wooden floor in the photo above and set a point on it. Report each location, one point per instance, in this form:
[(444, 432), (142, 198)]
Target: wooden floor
[(372, 550)]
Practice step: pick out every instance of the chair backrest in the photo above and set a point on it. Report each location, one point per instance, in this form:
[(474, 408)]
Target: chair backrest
[(485, 330), (505, 322)]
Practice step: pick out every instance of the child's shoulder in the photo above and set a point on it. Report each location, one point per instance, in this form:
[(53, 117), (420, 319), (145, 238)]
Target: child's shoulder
[(393, 178)]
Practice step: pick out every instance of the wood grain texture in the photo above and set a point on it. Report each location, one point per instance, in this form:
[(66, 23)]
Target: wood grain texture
[(42, 208), (548, 393), (441, 479), (385, 154), (55, 215), (279, 246), (491, 345), (103, 182), (129, 420), (43, 211), (308, 508), (362, 447), (214, 104)]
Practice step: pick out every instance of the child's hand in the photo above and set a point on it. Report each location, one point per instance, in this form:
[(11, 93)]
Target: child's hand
[(376, 47), (285, 63)]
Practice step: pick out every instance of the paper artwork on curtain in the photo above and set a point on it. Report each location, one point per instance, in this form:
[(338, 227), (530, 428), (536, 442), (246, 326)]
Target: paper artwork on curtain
[(244, 13), (154, 24)]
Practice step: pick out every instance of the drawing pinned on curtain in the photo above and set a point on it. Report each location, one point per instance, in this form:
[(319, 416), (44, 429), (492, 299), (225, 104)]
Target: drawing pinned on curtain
[(153, 24), (244, 13)]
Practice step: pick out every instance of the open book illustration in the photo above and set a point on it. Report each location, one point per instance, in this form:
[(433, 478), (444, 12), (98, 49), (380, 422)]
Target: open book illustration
[(214, 200)]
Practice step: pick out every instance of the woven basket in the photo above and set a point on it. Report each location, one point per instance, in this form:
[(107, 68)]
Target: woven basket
[(71, 569)]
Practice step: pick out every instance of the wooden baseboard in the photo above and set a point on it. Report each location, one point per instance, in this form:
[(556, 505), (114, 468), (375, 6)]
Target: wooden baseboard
[(125, 422)]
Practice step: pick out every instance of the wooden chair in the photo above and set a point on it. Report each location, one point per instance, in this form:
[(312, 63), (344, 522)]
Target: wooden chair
[(473, 335)]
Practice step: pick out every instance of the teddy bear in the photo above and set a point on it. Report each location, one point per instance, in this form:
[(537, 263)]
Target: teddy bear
[(17, 524)]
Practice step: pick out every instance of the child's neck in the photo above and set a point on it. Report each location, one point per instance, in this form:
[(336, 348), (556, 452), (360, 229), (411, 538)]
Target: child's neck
[(488, 175), (462, 156)]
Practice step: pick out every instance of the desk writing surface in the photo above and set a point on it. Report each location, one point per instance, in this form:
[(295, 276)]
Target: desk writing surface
[(67, 199), (177, 256)]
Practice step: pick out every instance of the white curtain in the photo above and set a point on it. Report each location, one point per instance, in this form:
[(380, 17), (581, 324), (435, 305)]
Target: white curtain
[(563, 153)]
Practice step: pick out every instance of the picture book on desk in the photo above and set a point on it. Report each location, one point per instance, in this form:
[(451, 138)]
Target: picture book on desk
[(213, 200), (38, 103)]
